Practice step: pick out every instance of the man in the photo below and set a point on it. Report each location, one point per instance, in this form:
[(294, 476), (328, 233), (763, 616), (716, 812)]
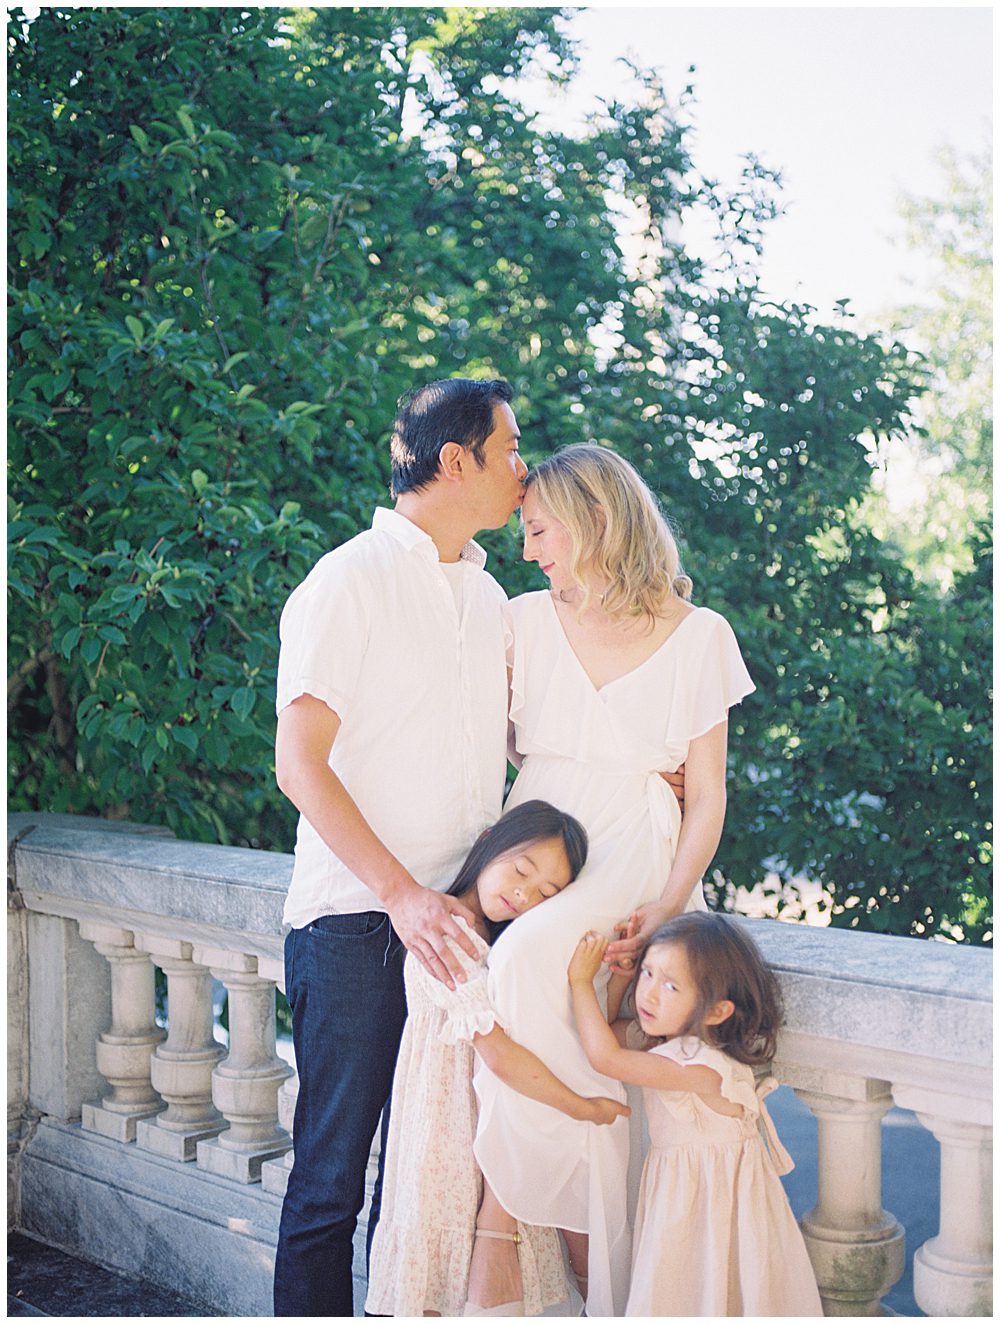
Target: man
[(391, 743)]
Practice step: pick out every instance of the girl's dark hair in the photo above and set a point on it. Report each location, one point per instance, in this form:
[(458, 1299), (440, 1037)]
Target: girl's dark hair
[(726, 964), (535, 820)]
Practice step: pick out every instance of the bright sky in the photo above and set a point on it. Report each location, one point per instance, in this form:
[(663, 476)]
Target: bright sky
[(851, 104)]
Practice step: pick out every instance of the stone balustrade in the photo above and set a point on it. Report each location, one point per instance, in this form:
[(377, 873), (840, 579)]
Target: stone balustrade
[(162, 1154)]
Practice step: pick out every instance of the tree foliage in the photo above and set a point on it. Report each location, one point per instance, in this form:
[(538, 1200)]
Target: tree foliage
[(239, 235), (949, 506)]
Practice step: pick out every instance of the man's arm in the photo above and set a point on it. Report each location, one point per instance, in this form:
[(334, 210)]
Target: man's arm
[(423, 919), (675, 780)]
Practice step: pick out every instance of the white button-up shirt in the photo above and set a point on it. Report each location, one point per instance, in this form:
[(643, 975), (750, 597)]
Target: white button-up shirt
[(373, 631)]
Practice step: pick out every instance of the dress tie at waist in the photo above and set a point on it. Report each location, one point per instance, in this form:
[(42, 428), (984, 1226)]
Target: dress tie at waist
[(780, 1158)]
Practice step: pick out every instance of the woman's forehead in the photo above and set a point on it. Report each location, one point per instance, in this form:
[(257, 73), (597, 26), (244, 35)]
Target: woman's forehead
[(533, 507)]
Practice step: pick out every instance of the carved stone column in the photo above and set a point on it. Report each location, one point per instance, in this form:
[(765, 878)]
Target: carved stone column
[(125, 1048), (857, 1249), (181, 1069), (953, 1272), (245, 1084), (274, 1173)]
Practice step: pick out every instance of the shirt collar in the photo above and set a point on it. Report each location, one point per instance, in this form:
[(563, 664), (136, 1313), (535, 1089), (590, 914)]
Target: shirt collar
[(413, 538)]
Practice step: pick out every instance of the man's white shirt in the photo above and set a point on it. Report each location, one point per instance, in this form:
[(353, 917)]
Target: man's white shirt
[(375, 632)]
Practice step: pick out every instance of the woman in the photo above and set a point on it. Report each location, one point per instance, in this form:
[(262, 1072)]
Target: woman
[(615, 678)]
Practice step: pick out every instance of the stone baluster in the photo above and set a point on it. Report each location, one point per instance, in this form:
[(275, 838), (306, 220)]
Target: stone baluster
[(245, 1083), (181, 1069), (953, 1272), (125, 1048), (857, 1249), (274, 1173)]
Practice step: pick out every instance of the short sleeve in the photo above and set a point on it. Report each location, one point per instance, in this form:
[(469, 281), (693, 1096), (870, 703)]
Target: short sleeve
[(467, 1007), (737, 1080), (324, 635), (720, 680)]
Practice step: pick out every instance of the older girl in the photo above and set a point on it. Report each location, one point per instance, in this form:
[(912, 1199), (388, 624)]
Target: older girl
[(423, 1243), (616, 678)]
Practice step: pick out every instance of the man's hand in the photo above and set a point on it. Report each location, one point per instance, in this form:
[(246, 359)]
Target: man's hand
[(602, 1112), (424, 919), (586, 960), (675, 780)]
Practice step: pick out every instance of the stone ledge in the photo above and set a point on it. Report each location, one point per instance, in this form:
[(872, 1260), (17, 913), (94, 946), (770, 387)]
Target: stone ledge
[(80, 871), (873, 992), (167, 1222)]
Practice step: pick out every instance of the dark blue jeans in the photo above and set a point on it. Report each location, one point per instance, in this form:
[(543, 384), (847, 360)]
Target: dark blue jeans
[(344, 981)]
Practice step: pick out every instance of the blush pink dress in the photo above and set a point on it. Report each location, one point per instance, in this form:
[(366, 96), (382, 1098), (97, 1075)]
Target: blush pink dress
[(596, 753), (714, 1233), (432, 1187)]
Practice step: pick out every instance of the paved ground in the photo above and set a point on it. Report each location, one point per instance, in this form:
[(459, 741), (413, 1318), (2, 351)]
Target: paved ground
[(44, 1281)]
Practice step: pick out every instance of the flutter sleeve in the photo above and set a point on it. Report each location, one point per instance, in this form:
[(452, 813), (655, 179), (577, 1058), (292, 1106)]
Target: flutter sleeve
[(467, 1007), (714, 680), (737, 1080)]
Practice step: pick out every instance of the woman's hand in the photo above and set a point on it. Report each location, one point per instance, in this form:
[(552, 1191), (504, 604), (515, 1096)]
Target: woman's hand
[(633, 934), (586, 960)]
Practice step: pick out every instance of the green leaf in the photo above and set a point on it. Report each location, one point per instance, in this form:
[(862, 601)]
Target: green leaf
[(70, 640), (90, 649), (135, 326), (186, 736), (140, 136), (186, 123), (267, 239), (243, 703), (199, 480), (233, 359), (179, 148)]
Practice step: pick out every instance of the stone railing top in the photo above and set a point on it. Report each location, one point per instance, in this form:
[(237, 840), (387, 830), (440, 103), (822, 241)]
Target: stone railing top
[(914, 965), (224, 895), (885, 994)]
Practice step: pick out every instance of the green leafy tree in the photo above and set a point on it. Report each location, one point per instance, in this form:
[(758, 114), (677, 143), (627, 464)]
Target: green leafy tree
[(946, 514), (239, 235)]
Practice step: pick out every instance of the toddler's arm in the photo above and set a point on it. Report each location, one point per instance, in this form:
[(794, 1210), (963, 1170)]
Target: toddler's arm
[(606, 1054), (519, 1068)]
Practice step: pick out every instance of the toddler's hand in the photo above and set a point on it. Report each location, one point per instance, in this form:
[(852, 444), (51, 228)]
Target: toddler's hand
[(586, 960), (605, 1111)]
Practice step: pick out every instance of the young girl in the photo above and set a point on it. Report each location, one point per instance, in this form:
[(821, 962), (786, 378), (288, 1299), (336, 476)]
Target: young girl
[(432, 1187), (714, 1231)]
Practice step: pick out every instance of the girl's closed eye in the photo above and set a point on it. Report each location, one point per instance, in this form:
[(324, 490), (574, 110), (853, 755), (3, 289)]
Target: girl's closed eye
[(530, 855)]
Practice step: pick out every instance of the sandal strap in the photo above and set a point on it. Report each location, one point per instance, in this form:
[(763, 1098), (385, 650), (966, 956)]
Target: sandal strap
[(515, 1237)]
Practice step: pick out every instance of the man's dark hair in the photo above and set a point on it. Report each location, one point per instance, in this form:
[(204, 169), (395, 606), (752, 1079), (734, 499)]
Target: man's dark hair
[(456, 409)]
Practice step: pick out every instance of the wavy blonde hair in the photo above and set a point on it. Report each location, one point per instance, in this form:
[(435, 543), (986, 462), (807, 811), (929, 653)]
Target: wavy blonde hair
[(616, 530)]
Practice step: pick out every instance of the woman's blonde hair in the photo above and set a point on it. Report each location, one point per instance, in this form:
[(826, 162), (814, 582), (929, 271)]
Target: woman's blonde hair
[(616, 529)]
